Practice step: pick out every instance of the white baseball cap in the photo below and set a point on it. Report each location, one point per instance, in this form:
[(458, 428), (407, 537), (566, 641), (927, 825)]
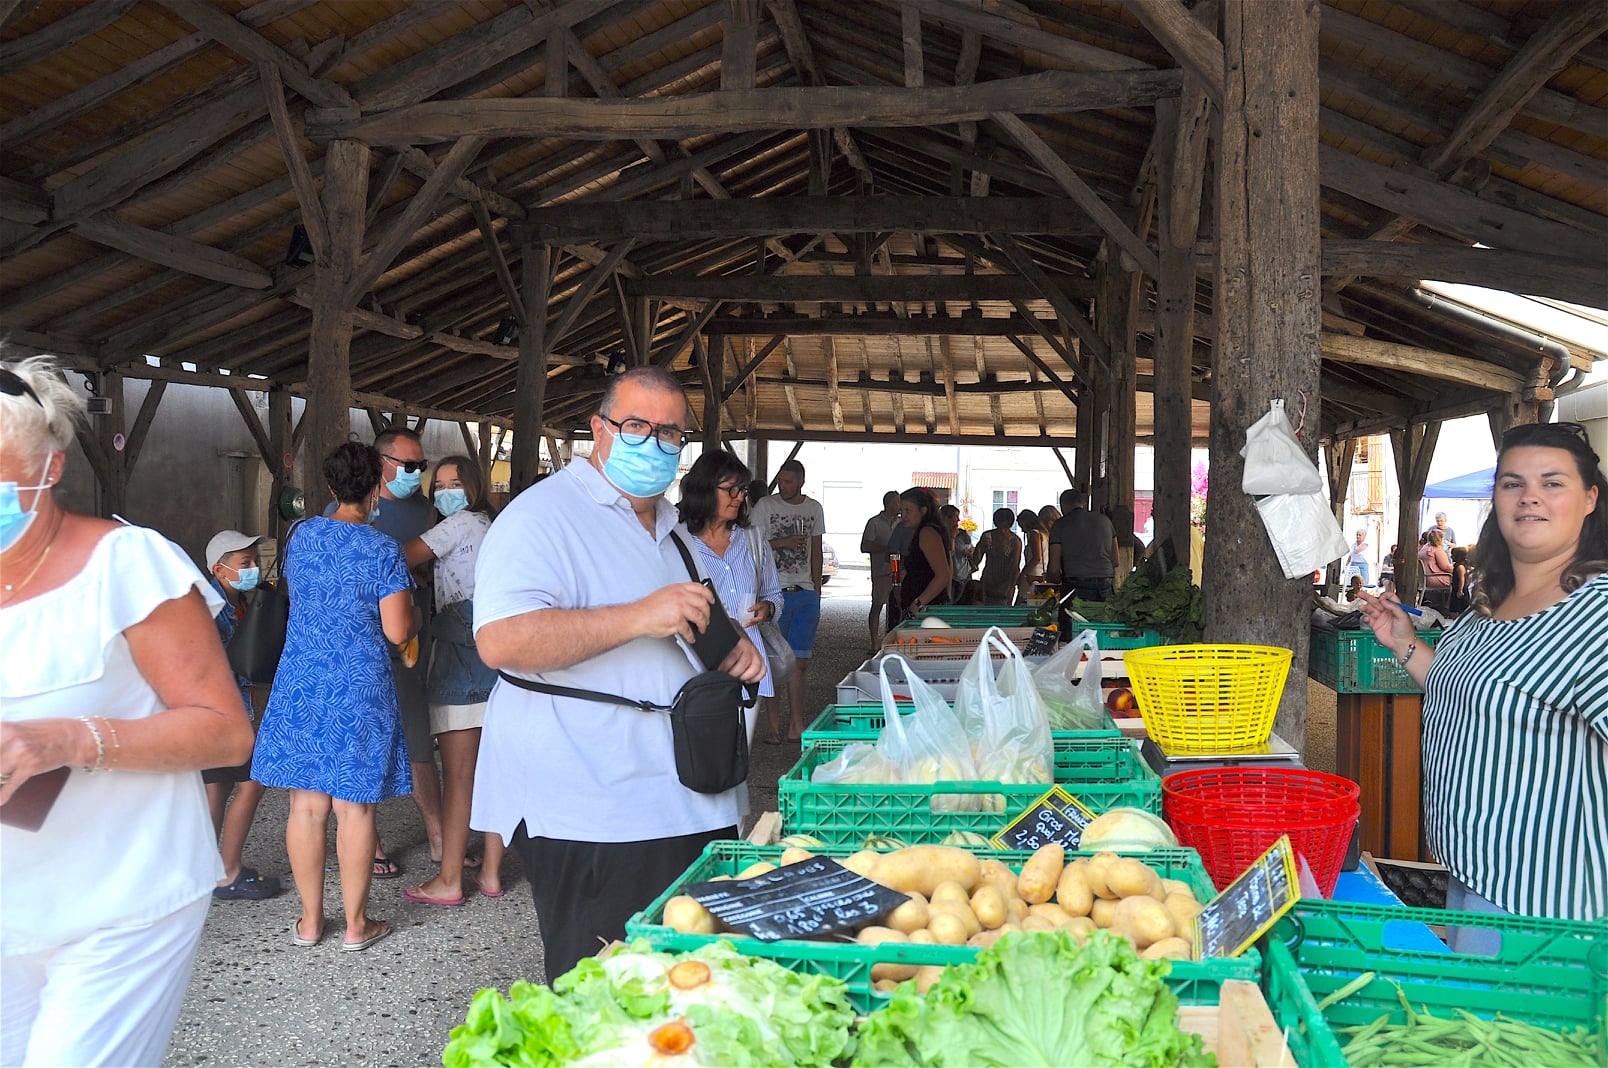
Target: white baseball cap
[(225, 542)]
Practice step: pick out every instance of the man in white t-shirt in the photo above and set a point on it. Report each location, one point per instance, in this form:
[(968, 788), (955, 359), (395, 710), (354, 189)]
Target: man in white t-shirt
[(580, 584), (877, 543), (794, 525)]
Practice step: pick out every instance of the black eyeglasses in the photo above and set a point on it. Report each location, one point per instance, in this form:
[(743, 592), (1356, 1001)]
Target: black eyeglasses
[(733, 492), (671, 438), (12, 383), (1519, 434), (409, 466)]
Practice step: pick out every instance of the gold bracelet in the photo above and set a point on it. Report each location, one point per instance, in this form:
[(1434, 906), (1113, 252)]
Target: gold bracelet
[(100, 746), (117, 745)]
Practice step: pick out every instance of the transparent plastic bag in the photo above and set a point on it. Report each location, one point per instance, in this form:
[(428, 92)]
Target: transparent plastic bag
[(926, 745), (1303, 530), (1073, 706), (1005, 718), (859, 762)]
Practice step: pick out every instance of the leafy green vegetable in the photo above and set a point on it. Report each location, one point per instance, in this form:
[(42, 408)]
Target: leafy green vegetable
[(1174, 606), (1036, 998), (750, 1012)]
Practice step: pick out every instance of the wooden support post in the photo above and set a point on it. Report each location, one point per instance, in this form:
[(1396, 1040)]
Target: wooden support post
[(142, 423), (1267, 311), (530, 389), (1087, 459), (282, 461), (484, 452), (711, 369), (1513, 411), (109, 430), (1414, 448), (1180, 166), (329, 367), (1337, 460), (1118, 295)]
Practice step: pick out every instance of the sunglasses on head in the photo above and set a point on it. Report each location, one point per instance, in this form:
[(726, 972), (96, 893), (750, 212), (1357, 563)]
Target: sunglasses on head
[(13, 384), (1521, 435), (409, 466)]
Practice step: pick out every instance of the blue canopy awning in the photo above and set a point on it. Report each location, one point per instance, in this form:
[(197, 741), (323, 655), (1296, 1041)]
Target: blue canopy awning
[(1474, 486)]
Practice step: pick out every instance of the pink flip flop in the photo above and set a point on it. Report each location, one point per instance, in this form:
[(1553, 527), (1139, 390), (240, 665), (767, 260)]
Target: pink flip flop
[(414, 895)]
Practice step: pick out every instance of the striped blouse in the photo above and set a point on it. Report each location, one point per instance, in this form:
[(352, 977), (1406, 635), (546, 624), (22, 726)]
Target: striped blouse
[(1516, 756)]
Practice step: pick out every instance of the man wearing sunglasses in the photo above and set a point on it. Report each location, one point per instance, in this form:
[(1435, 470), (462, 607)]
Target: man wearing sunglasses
[(579, 584)]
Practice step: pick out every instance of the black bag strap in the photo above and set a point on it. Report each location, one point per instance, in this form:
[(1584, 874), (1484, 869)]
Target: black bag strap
[(594, 695), (284, 547)]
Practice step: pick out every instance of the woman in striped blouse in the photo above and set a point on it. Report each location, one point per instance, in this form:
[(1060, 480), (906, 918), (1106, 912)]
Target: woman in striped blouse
[(1516, 693)]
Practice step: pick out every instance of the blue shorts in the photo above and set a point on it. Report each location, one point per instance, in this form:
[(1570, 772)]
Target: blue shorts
[(801, 615)]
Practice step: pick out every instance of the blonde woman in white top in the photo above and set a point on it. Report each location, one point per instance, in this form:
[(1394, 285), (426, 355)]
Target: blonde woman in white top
[(114, 671)]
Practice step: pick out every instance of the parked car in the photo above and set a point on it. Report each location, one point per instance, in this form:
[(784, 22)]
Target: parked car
[(828, 563)]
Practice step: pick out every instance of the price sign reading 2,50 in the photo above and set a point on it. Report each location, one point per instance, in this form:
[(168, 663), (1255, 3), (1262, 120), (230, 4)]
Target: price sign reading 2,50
[(1055, 817)]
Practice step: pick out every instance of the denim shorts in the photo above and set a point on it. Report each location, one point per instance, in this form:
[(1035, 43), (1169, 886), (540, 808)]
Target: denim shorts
[(801, 615)]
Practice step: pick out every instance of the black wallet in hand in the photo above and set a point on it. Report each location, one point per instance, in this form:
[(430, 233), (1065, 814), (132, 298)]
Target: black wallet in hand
[(719, 638), (30, 804)]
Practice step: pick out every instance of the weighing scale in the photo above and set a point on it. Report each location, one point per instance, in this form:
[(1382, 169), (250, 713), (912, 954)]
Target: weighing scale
[(1275, 752)]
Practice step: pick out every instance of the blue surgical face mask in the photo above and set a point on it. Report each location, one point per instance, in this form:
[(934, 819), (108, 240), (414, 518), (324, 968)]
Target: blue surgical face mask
[(405, 484), (643, 470), (451, 501), (248, 579), (374, 512), (14, 522)]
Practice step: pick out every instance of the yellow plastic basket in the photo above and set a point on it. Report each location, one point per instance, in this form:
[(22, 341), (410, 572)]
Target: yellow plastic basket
[(1208, 698)]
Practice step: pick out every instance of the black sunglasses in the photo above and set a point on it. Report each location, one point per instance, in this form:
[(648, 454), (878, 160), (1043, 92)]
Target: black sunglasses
[(409, 466), (1517, 435), (12, 383)]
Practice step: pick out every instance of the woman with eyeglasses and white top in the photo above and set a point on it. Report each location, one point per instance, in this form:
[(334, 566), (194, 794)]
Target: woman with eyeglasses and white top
[(458, 682), (1515, 739), (115, 693)]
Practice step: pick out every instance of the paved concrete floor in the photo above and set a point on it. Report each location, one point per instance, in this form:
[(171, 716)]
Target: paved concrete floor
[(255, 999)]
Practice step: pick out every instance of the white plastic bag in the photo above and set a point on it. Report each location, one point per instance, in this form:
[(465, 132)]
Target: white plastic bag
[(1073, 706), (1303, 530), (1275, 462), (926, 745), (1004, 717), (859, 762)]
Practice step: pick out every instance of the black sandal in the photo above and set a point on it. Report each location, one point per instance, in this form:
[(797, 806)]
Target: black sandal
[(385, 868)]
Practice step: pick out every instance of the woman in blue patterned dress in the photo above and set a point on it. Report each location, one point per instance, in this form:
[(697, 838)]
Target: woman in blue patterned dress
[(331, 732)]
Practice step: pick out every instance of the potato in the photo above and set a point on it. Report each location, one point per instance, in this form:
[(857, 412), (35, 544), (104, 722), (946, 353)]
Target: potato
[(875, 936), (1102, 911), (1080, 927), (911, 916), (1099, 864), (1072, 893), (1173, 948), (896, 972), (989, 906), (995, 873), (862, 863), (960, 910), (984, 939), (1142, 919), (1183, 909), (1127, 877), (922, 937), (759, 867), (927, 975), (687, 916), (1175, 886), (921, 868), (1038, 923), (689, 975), (1040, 874), (885, 986), (947, 929), (1015, 909), (1054, 913), (794, 854), (949, 890)]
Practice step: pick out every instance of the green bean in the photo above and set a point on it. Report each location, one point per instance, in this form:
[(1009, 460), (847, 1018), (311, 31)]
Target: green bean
[(1346, 991)]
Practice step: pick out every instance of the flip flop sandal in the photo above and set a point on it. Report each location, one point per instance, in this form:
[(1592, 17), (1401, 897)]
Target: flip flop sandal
[(358, 947), (297, 939), (385, 868), (416, 896)]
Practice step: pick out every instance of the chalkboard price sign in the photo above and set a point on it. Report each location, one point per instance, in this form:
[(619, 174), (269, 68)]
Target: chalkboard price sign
[(814, 897), (1055, 817), (1042, 643), (1250, 905)]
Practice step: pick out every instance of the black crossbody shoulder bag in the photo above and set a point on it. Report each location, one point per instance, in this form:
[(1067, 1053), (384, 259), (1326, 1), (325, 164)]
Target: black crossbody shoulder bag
[(708, 718)]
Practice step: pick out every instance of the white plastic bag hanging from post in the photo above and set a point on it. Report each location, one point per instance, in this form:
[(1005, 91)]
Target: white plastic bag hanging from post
[(1275, 462), (1073, 706), (1304, 532)]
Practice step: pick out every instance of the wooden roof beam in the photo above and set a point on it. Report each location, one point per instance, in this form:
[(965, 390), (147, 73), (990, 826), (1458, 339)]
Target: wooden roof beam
[(191, 257), (413, 216), (1025, 34), (254, 47), (1194, 47), (698, 114), (876, 325), (60, 33), (1580, 281), (846, 289), (796, 43), (1343, 348)]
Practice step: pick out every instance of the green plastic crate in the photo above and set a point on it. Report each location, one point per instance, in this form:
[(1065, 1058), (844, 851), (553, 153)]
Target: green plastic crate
[(1103, 773), (1312, 1041), (1551, 973), (1353, 661), (979, 615), (1195, 982), (863, 722), (1119, 635)]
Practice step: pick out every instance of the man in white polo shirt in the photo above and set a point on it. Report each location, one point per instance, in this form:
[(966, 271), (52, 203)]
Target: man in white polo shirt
[(579, 584)]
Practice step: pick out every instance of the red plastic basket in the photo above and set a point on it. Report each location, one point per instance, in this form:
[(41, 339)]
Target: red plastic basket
[(1232, 815)]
